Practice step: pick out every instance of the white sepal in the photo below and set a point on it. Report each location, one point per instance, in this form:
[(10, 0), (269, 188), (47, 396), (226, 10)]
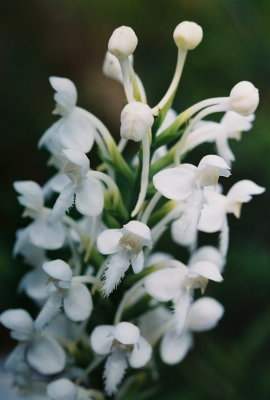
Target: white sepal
[(108, 241), (19, 322), (101, 339), (78, 303), (204, 314), (164, 285), (126, 333), (174, 347), (141, 354), (62, 389), (66, 94)]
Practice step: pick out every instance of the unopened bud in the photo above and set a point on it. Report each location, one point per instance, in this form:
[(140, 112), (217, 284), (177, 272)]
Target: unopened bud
[(244, 98), (136, 121), (187, 35), (111, 66), (123, 42)]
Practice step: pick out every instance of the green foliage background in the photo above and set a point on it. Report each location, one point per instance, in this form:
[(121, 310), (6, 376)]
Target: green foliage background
[(69, 38)]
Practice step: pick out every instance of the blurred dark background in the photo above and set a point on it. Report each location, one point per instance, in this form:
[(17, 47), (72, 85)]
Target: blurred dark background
[(69, 38)]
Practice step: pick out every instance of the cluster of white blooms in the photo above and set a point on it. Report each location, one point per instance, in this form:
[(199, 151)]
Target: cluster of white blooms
[(95, 313)]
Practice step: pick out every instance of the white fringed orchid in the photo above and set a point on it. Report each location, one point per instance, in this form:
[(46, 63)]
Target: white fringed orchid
[(124, 345), (72, 130), (41, 351), (217, 205), (203, 315), (41, 232), (176, 282), (125, 245), (230, 127), (186, 183), (67, 290), (88, 191)]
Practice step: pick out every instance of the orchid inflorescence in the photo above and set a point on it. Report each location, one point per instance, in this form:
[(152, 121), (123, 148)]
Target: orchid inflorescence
[(116, 296)]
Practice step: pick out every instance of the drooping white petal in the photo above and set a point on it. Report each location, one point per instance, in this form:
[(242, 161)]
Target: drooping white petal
[(205, 269), (164, 285), (33, 284), (19, 321), (175, 183), (101, 339), (46, 356), (141, 354), (46, 235), (213, 213), (66, 92), (78, 302), (58, 269), (210, 254), (108, 241), (175, 347), (243, 191), (62, 389), (126, 333), (31, 194), (223, 148), (204, 314), (114, 371), (138, 262), (89, 197), (235, 123), (76, 132)]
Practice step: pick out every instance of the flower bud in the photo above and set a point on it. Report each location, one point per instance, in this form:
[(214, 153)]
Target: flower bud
[(136, 121), (187, 35), (111, 66), (244, 98), (123, 42)]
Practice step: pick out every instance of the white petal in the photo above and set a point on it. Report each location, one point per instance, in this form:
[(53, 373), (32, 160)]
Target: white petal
[(137, 263), (175, 183), (158, 256), (46, 356), (210, 254), (234, 122), (114, 371), (58, 269), (78, 303), (62, 389), (108, 241), (31, 194), (215, 161), (140, 230), (127, 333), (15, 362), (181, 309), (204, 314), (164, 285), (77, 158), (243, 190), (89, 197), (101, 339), (76, 132), (174, 347), (46, 235), (57, 183), (63, 203), (66, 93), (141, 354), (19, 321), (33, 284), (206, 270), (213, 213)]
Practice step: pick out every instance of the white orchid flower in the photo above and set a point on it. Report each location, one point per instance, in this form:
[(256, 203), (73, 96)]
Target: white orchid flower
[(124, 345), (203, 315), (67, 290), (218, 205), (88, 191), (125, 245), (41, 351), (185, 183), (41, 232), (210, 254), (230, 127), (178, 183), (175, 283), (73, 129)]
